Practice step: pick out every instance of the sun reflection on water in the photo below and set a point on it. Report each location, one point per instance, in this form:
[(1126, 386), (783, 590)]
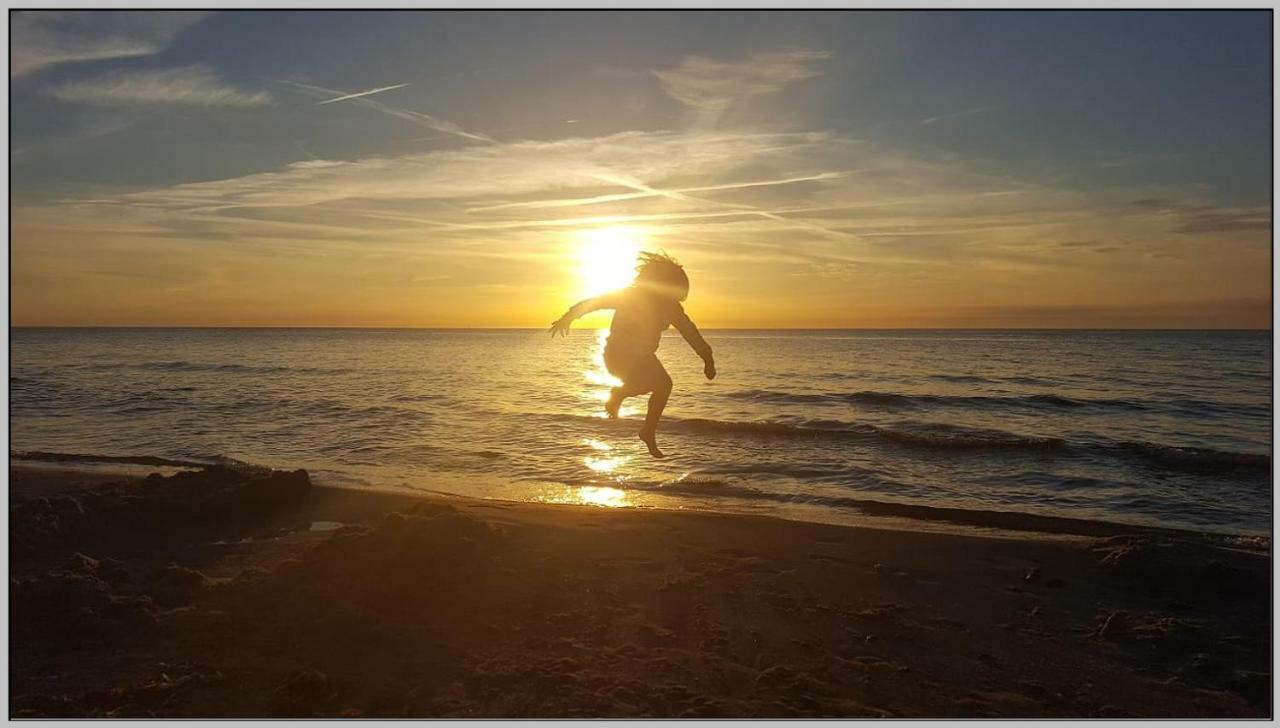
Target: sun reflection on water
[(587, 495), (604, 465), (602, 496)]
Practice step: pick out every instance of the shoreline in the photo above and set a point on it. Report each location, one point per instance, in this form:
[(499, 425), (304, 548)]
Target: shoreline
[(871, 513), (221, 593)]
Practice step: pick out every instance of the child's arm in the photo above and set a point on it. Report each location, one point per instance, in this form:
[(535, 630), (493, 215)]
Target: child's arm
[(580, 309), (685, 326)]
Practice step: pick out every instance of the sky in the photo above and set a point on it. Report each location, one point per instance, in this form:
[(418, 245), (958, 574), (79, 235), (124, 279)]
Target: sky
[(855, 169)]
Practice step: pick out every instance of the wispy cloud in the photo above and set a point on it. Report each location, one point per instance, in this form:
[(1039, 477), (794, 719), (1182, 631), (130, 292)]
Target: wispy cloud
[(91, 129), (602, 199), (856, 222), (710, 87), (1201, 218), (42, 38), (189, 85), (953, 115), (360, 94), (781, 201), (415, 117), (485, 172)]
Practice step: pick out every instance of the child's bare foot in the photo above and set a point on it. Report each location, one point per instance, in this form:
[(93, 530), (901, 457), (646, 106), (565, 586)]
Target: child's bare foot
[(613, 404), (651, 441)]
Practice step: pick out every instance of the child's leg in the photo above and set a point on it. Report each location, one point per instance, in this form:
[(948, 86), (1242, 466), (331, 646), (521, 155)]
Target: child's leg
[(616, 395), (645, 374), (634, 375), (659, 382)]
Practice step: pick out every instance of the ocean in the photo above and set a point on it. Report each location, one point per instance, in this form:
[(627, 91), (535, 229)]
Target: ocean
[(1163, 428)]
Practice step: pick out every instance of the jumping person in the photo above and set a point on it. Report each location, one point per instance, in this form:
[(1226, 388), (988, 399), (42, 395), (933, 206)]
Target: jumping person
[(642, 311)]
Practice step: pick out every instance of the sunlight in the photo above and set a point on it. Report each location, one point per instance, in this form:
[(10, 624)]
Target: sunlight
[(602, 496), (604, 465), (607, 258)]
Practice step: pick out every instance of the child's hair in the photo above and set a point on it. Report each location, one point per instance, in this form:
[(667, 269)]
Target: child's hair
[(660, 273)]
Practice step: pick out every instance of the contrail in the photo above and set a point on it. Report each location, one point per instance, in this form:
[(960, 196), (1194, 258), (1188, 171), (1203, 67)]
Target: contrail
[(358, 94), (744, 209), (415, 117), (599, 199)]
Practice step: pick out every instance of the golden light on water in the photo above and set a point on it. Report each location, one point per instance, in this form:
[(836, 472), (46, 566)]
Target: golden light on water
[(602, 496), (587, 495), (607, 258), (603, 463)]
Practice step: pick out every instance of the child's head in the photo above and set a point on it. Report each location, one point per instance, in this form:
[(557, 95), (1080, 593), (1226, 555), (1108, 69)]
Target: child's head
[(660, 274)]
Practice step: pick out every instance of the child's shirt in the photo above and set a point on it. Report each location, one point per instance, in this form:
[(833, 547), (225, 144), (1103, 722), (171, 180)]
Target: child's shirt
[(640, 318)]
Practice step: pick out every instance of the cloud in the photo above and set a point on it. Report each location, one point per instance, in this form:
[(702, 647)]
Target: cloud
[(1212, 220), (820, 204), (486, 174), (710, 87), (953, 115), (1200, 218), (92, 128), (1209, 314), (44, 38), (811, 222), (189, 85)]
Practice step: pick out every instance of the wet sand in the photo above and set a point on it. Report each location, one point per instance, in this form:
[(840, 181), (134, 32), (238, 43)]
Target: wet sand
[(226, 594)]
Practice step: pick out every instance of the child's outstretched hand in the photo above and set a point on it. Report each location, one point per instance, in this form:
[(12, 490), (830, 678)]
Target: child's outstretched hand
[(709, 368), (560, 326)]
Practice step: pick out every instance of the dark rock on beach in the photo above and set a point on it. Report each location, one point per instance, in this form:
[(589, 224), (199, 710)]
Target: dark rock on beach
[(155, 508)]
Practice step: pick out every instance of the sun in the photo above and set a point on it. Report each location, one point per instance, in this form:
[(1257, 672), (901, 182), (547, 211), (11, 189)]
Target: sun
[(607, 258)]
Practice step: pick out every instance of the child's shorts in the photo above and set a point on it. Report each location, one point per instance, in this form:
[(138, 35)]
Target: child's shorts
[(629, 365)]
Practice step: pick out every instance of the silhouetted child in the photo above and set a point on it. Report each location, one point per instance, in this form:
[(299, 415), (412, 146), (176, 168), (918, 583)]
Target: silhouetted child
[(642, 311)]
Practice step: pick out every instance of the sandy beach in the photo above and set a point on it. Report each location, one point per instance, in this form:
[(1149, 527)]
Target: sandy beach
[(225, 593)]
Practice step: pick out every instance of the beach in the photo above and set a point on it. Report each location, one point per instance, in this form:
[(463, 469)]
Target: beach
[(237, 592)]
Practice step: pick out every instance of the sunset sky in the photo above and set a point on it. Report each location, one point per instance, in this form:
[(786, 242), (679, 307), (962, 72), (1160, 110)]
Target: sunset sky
[(838, 169)]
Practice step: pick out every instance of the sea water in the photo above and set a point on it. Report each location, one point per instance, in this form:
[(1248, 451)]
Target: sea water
[(1142, 427)]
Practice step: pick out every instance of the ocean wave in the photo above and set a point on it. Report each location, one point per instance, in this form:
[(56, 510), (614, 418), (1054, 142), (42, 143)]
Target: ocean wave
[(806, 471), (961, 378), (1204, 408), (954, 437), (186, 366), (988, 518), (767, 428), (190, 462), (902, 400), (919, 435), (941, 438), (1054, 481), (419, 398), (1195, 459)]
